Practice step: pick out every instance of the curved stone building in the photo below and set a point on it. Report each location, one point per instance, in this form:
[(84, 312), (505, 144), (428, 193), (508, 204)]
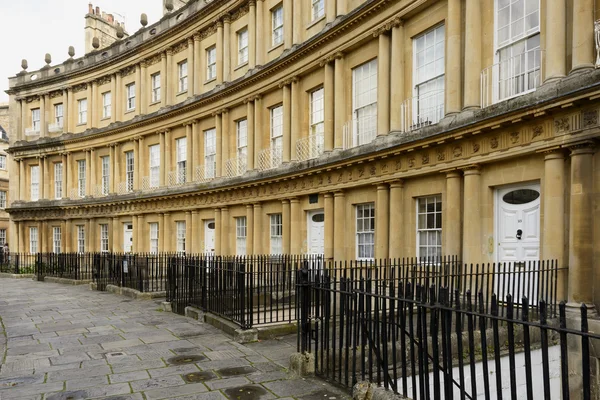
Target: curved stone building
[(357, 129)]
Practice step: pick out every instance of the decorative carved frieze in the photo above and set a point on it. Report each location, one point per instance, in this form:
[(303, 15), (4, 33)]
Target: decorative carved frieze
[(562, 125), (240, 12), (127, 71), (104, 80), (179, 47), (80, 88), (55, 93)]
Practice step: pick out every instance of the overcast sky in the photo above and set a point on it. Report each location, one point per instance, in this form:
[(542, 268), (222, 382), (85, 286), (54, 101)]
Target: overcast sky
[(31, 28)]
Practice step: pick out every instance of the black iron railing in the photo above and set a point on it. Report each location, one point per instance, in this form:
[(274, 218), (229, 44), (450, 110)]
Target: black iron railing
[(430, 341)]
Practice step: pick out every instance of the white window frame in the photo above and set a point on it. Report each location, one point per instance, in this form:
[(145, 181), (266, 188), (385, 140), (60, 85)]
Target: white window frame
[(277, 25), (432, 234), (130, 93), (242, 37), (82, 107), (81, 172), (182, 69), (210, 153), (3, 199), (58, 114), (241, 232), (318, 9), (429, 87), (241, 127), (211, 63), (104, 238), (80, 239), (365, 231), (180, 231), (364, 102), (58, 180), (154, 165), (276, 233), (106, 104), (35, 119), (2, 237), (181, 159), (105, 162), (34, 176), (154, 237), (3, 161), (317, 122), (33, 239), (155, 95), (129, 170), (56, 239), (276, 114)]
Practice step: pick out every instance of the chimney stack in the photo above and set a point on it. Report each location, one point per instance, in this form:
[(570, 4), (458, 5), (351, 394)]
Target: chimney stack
[(104, 27)]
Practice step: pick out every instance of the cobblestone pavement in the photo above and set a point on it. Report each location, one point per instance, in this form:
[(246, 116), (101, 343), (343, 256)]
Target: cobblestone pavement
[(67, 342)]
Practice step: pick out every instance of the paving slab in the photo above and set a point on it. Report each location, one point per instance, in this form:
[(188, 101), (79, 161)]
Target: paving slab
[(68, 342)]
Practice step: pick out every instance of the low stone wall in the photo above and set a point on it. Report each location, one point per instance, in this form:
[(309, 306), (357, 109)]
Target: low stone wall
[(66, 281), (6, 275), (135, 294)]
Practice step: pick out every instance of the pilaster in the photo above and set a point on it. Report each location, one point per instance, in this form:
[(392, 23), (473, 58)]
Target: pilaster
[(287, 120), (252, 34), (249, 229), (218, 232), (339, 248), (296, 117), (250, 138), (397, 78), (329, 224), (328, 102), (191, 72), (472, 82), (285, 224), (226, 48), (383, 83), (452, 218), (582, 53), (472, 217), (340, 99), (382, 222), (453, 63), (258, 233), (396, 219)]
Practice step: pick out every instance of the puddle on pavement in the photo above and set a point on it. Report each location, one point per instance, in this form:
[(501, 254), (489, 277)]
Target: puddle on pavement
[(247, 392), (185, 359), (235, 371), (202, 376)]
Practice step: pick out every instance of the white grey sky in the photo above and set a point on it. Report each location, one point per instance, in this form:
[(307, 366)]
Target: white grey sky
[(31, 28)]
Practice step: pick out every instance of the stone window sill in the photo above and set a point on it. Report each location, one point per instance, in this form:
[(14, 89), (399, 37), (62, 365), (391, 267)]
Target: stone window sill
[(276, 47), (245, 64), (316, 21)]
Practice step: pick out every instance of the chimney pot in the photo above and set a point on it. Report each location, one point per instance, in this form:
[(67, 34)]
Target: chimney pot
[(97, 10), (90, 8)]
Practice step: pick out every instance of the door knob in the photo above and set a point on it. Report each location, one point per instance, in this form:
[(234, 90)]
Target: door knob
[(519, 234)]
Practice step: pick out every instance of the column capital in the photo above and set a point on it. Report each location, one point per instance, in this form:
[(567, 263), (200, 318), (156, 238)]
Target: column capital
[(338, 55), (339, 193), (471, 169), (225, 17), (328, 195), (190, 40), (379, 31), (257, 205), (382, 186), (554, 154), (585, 147), (284, 201), (399, 183), (163, 55), (251, 3), (325, 61), (218, 22), (452, 173), (195, 212), (188, 212), (249, 206), (294, 200), (197, 37), (170, 51)]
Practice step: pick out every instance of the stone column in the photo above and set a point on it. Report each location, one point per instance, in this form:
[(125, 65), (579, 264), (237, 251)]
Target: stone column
[(195, 238), (117, 99), (472, 82), (249, 229), (260, 42), (197, 65), (43, 115), (191, 72), (298, 25), (295, 223), (452, 218), (89, 229), (161, 139), (66, 231), (144, 93), (189, 233), (257, 127), (396, 219), (65, 167), (197, 141), (296, 118), (161, 232), (167, 230), (252, 34), (225, 137), (328, 102), (581, 225), (189, 147), (68, 168), (163, 80), (555, 60), (138, 88), (141, 163), (287, 121), (341, 7), (167, 149), (397, 78), (220, 51), (329, 223), (553, 245), (66, 113), (23, 120), (288, 17), (330, 13), (95, 105), (257, 231), (46, 179), (383, 84), (218, 229), (226, 49), (88, 173), (22, 179), (453, 64), (171, 85), (472, 217), (250, 141), (218, 134), (340, 100), (382, 222), (113, 98), (42, 176), (339, 205), (583, 35), (225, 233), (113, 242), (285, 224), (135, 233), (92, 172), (90, 105)]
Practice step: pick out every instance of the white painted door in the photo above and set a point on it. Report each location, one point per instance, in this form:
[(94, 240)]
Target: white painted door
[(128, 237), (316, 232), (518, 239), (209, 236)]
